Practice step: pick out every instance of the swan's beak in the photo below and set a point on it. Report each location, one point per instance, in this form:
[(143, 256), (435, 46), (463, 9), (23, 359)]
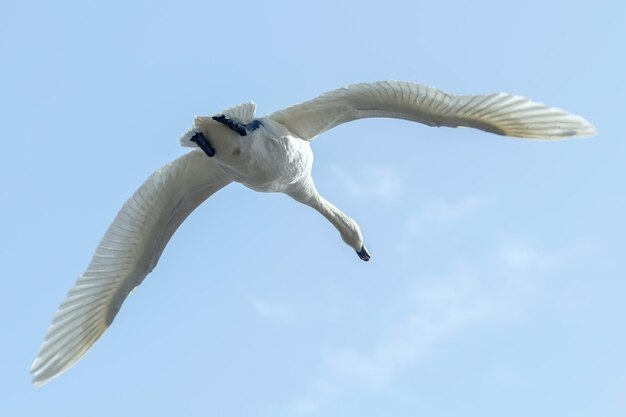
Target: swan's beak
[(363, 253)]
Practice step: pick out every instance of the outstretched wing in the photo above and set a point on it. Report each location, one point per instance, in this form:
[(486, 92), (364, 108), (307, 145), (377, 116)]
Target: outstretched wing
[(503, 114), (129, 250)]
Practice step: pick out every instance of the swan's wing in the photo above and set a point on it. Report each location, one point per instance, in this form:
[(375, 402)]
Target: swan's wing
[(503, 114), (128, 251)]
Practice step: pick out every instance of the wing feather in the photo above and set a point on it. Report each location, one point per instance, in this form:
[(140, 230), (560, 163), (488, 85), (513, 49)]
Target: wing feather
[(128, 251), (500, 113)]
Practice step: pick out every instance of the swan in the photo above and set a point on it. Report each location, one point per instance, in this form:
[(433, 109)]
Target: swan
[(267, 154)]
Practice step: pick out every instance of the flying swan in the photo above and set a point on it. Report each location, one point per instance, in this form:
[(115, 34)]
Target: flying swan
[(267, 154)]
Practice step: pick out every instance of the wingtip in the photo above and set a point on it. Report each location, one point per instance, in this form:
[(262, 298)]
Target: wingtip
[(588, 131), (47, 367), (37, 379), (563, 126), (583, 130), (41, 373), (39, 384)]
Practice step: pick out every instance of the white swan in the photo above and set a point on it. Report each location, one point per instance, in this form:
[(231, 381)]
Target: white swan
[(269, 154)]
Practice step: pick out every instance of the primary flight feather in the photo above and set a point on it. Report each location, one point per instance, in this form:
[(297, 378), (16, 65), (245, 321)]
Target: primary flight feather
[(267, 154)]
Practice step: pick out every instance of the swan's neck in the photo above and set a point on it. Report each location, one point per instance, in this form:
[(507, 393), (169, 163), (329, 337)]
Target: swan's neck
[(347, 228)]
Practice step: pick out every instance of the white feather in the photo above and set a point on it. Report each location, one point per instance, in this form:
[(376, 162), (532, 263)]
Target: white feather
[(243, 113)]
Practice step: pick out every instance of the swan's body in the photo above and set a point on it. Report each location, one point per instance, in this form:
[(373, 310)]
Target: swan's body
[(269, 159), (269, 154)]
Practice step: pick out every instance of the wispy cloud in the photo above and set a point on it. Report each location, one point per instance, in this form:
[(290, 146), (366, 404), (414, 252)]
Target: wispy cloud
[(501, 288), (269, 309), (381, 182), (444, 212)]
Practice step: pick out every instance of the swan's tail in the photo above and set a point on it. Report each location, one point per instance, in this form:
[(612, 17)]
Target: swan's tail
[(243, 113), (185, 140)]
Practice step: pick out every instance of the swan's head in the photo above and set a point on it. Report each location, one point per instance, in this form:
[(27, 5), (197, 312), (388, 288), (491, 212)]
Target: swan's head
[(351, 235)]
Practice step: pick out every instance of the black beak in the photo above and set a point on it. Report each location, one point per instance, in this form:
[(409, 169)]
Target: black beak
[(363, 254)]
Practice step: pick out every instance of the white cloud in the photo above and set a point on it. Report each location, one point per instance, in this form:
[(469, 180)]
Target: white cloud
[(444, 212), (269, 309), (437, 310), (501, 289), (382, 182)]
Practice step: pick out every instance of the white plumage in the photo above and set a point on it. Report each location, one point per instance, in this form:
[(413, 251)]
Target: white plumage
[(275, 156)]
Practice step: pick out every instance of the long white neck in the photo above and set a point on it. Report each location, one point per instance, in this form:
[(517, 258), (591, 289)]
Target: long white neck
[(348, 229)]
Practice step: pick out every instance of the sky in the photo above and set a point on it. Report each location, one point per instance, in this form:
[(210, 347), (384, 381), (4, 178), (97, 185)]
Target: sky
[(496, 283)]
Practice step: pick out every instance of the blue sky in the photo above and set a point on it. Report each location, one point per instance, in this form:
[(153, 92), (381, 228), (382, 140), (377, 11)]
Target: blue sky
[(496, 283)]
